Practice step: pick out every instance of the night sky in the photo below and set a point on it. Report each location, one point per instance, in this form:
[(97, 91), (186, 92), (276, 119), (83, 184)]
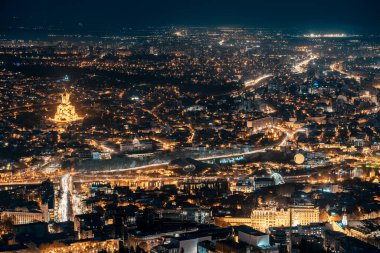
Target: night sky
[(312, 15)]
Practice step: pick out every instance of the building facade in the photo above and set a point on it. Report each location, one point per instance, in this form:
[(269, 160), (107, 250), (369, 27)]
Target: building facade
[(271, 216), (21, 217)]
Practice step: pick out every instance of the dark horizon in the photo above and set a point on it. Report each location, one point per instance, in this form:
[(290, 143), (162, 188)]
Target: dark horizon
[(84, 16)]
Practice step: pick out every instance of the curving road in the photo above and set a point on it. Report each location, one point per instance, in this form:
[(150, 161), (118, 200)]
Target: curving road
[(64, 202), (301, 66), (337, 66), (254, 82)]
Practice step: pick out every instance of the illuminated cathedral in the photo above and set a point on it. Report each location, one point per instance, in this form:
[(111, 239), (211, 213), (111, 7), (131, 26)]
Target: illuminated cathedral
[(66, 111)]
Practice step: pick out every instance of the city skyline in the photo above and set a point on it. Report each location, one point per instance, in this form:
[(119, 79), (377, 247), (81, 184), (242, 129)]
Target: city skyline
[(190, 126), (86, 16)]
